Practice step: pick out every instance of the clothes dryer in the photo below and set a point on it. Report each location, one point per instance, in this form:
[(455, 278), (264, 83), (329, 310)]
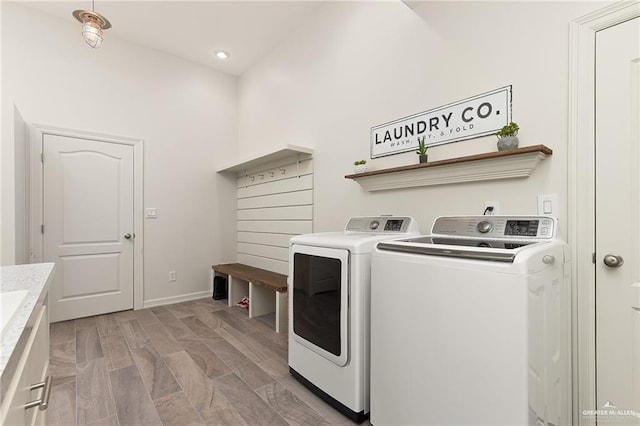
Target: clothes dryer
[(329, 294)]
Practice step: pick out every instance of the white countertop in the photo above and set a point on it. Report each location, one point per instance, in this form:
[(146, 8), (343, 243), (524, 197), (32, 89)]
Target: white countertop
[(33, 279)]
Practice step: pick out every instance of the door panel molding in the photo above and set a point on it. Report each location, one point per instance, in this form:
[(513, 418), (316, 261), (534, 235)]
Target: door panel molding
[(37, 133), (581, 202)]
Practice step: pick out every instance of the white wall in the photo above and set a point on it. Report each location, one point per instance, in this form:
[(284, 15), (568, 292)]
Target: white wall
[(21, 140), (185, 113), (359, 64), (8, 189)]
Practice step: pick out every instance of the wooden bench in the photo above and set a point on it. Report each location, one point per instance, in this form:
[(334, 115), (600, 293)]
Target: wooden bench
[(261, 286)]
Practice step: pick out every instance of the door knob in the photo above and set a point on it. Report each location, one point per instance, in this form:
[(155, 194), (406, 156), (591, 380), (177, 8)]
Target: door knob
[(613, 260), (127, 236)]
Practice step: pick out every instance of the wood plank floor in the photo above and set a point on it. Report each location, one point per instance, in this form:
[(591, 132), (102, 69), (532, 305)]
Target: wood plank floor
[(192, 363)]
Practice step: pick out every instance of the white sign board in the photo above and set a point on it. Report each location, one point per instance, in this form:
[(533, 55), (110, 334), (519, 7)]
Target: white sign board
[(470, 118)]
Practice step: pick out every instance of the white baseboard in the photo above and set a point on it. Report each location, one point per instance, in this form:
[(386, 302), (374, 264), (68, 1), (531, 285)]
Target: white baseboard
[(176, 299)]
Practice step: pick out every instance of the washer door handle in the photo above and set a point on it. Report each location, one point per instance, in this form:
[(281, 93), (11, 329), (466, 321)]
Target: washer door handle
[(613, 260)]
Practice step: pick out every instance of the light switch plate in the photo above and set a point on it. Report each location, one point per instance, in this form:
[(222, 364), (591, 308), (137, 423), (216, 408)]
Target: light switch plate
[(151, 212), (548, 205)]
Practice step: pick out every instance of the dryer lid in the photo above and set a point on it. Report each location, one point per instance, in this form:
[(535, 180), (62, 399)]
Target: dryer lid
[(361, 233)]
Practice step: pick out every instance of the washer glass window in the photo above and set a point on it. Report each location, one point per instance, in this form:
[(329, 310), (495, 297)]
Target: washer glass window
[(317, 301)]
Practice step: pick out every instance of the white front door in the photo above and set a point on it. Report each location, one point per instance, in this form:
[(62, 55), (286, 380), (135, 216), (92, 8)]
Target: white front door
[(88, 198), (617, 259)]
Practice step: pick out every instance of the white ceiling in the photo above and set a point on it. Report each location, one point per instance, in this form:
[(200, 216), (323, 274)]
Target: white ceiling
[(194, 30)]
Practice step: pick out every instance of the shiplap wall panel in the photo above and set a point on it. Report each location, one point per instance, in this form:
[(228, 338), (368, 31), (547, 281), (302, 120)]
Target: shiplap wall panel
[(277, 240), (273, 172), (275, 203), (276, 226), (298, 198), (303, 166), (264, 263), (277, 187), (270, 252), (277, 213)]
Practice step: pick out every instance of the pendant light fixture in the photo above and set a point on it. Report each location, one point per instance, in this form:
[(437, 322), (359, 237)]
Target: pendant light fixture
[(92, 25)]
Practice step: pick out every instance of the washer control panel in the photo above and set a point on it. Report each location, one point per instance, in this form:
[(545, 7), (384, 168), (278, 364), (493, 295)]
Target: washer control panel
[(537, 227), (381, 224)]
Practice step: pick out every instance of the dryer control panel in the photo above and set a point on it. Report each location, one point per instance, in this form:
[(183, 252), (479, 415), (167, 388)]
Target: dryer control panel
[(507, 227), (381, 224)]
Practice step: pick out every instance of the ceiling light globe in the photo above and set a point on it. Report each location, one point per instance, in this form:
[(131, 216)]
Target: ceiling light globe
[(92, 33), (221, 54)]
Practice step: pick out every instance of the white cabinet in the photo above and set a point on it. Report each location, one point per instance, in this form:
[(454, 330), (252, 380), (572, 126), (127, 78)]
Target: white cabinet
[(32, 369)]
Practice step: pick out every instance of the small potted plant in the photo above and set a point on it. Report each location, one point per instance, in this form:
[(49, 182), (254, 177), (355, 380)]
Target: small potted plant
[(360, 166), (422, 150), (507, 137)]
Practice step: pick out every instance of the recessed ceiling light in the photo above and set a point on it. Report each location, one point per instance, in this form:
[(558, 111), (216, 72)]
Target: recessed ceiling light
[(221, 54)]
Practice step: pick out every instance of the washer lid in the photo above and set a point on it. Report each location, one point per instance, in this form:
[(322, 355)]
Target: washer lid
[(495, 238), (465, 248)]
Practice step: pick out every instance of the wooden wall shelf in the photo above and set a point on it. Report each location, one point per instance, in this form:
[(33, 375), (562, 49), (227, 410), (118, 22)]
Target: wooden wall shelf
[(267, 157), (508, 164)]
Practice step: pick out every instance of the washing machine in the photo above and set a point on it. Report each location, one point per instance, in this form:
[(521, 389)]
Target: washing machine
[(329, 295), (471, 325)]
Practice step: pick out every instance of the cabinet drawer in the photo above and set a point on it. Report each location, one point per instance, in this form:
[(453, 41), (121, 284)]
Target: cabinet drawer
[(32, 368)]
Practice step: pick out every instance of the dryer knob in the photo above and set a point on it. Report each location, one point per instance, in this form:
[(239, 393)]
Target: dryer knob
[(484, 226), (548, 259)]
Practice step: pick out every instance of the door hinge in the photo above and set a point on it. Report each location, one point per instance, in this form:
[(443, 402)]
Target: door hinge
[(42, 229), (42, 157), (593, 258)]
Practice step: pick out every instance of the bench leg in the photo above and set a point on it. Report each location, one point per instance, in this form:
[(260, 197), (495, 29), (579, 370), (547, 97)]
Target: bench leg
[(281, 311), (230, 292), (261, 301)]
